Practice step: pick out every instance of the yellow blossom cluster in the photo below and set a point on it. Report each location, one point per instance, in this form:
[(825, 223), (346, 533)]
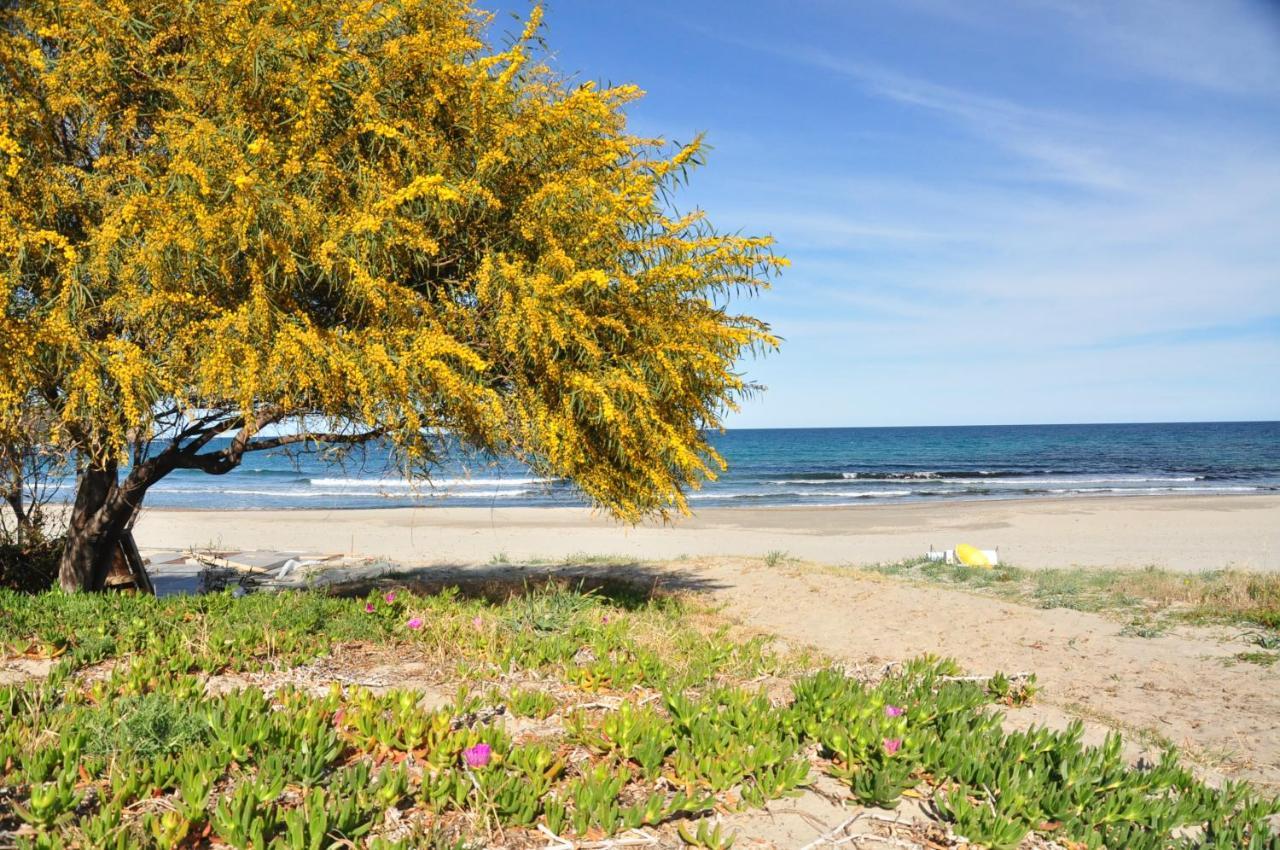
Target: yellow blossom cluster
[(359, 210)]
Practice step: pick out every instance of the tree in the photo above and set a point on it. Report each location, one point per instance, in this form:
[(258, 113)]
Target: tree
[(255, 217), (29, 468)]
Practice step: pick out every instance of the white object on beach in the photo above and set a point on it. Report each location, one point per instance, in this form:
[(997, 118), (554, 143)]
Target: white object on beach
[(949, 556)]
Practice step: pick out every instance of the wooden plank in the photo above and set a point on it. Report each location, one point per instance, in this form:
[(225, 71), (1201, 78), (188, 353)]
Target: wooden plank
[(127, 569), (142, 580)]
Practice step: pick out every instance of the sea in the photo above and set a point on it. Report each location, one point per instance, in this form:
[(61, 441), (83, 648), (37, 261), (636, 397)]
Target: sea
[(804, 467)]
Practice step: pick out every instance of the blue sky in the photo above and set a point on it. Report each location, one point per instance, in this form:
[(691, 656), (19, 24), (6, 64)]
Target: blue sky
[(1042, 211)]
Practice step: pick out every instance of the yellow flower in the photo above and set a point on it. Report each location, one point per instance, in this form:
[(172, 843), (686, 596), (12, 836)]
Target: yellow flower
[(451, 236)]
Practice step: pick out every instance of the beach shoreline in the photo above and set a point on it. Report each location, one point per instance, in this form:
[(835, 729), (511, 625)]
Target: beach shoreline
[(1186, 533)]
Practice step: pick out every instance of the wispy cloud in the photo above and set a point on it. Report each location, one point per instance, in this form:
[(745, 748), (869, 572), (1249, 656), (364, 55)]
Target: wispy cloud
[(1053, 139), (1262, 327), (1060, 143), (1230, 46), (1225, 46)]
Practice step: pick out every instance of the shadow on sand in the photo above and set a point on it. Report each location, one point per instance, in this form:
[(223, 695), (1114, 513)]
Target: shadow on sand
[(625, 584)]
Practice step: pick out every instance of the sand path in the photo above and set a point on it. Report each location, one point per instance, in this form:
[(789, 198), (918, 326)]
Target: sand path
[(1178, 687)]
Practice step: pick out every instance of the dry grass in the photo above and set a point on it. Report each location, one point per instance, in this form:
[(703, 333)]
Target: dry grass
[(1218, 596), (1234, 597)]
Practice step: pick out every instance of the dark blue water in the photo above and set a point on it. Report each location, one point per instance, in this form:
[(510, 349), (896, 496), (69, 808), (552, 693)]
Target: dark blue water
[(829, 466)]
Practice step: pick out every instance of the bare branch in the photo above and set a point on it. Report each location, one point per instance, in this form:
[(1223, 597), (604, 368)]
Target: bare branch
[(222, 462), (199, 425), (205, 430), (292, 439)]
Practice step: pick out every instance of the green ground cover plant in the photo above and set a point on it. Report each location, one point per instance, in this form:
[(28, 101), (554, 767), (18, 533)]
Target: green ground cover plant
[(213, 721)]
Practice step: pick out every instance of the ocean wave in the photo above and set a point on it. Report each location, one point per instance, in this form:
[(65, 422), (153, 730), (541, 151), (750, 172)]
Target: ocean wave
[(424, 484), (1018, 480), (1039, 476), (820, 482), (932, 475), (918, 475), (271, 473), (773, 494), (1102, 479), (958, 492), (279, 494), (1149, 491), (349, 493)]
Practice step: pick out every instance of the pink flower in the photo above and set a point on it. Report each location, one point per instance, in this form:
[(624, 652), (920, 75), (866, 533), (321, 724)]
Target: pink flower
[(368, 607), (338, 715), (477, 756), (415, 623), (390, 597), (477, 622), (892, 711), (892, 745), (605, 619)]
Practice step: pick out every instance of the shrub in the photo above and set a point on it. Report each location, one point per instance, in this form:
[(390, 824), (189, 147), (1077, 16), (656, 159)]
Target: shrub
[(31, 567)]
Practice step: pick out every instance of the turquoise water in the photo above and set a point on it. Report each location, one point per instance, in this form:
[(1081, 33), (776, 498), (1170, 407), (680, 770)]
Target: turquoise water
[(828, 466)]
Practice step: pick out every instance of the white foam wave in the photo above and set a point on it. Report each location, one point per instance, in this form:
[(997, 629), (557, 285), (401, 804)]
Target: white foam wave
[(1020, 480), (1139, 491), (437, 483), (1031, 481), (347, 492), (772, 494), (837, 482)]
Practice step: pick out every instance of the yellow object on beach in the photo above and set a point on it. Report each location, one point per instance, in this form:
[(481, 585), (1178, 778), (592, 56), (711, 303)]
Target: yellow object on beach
[(971, 556)]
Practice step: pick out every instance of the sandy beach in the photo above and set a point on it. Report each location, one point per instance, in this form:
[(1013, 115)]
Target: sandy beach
[(1176, 532)]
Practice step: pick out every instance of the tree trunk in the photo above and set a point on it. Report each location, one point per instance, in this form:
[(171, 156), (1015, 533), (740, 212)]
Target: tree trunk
[(105, 506), (101, 514)]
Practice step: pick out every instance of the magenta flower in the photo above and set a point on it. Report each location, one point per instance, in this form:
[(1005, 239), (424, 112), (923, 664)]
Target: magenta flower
[(893, 711), (477, 756), (368, 607), (390, 597), (892, 745), (415, 623), (605, 619)]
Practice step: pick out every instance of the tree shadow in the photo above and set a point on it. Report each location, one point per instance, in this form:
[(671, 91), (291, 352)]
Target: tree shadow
[(625, 584)]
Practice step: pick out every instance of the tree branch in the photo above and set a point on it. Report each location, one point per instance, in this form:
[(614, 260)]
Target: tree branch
[(204, 432), (174, 416), (222, 462)]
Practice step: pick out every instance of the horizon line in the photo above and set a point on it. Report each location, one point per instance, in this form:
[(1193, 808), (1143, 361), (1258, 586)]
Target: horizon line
[(1003, 425)]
